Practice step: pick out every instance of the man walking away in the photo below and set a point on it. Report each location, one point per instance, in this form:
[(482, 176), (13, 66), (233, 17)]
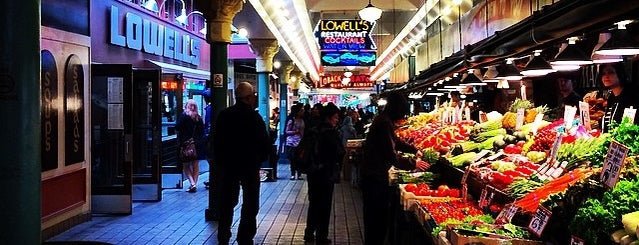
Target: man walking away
[(241, 144)]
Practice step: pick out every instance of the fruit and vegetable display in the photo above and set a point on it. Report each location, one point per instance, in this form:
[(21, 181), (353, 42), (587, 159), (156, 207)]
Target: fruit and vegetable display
[(541, 164)]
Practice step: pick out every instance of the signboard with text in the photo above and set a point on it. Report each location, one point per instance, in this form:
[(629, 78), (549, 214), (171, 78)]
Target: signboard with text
[(335, 81), (346, 42)]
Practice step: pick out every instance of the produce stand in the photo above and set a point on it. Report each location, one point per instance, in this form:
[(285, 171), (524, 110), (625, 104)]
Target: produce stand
[(554, 166)]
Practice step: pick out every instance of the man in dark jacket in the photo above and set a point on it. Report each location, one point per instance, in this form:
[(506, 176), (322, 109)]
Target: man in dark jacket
[(241, 144)]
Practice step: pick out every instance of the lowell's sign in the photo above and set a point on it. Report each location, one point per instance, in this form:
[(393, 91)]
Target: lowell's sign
[(342, 41), (153, 38)]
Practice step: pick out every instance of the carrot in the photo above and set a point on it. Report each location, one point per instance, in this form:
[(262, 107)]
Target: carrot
[(530, 202)]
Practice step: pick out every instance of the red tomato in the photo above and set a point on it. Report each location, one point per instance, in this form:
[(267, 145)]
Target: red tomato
[(442, 188)]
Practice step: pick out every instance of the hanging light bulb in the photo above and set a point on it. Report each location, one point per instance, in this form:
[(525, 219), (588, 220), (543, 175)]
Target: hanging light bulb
[(620, 43), (600, 58), (370, 12), (509, 71), (537, 66), (570, 54)]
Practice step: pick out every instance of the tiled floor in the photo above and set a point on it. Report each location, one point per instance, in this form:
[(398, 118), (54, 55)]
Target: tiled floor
[(179, 217)]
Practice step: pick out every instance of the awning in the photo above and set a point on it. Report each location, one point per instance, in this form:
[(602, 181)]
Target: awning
[(186, 72)]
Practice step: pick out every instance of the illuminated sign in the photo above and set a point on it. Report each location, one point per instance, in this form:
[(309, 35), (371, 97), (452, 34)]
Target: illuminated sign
[(346, 58), (335, 81), (152, 38), (169, 85), (344, 35)]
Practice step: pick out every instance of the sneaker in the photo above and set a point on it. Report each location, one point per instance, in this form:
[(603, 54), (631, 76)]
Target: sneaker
[(292, 177), (299, 177)]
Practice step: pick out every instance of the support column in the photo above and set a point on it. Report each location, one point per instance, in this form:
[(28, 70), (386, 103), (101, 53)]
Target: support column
[(264, 50), (219, 16), (20, 167), (285, 76)]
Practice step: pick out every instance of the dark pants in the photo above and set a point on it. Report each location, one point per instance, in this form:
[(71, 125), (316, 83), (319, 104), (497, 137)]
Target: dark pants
[(230, 180), (320, 202), (375, 195), (290, 152)]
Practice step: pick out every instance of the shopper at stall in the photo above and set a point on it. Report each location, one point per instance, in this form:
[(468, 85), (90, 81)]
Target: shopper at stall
[(294, 131), (191, 126), (208, 117), (325, 174), (614, 77), (241, 144), (382, 149)]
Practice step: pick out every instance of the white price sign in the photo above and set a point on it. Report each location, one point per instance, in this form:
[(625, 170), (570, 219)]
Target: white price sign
[(539, 221), (569, 116), (506, 214), (613, 164), (555, 148), (520, 118), (584, 114), (465, 176), (630, 113), (538, 118)]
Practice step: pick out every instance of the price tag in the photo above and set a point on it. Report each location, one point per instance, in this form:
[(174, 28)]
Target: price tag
[(465, 176), (464, 190), (467, 113), (520, 118), (584, 114), (538, 118), (506, 214), (613, 164), (483, 201), (577, 241), (630, 113), (539, 221), (483, 117), (479, 155), (555, 148), (569, 116)]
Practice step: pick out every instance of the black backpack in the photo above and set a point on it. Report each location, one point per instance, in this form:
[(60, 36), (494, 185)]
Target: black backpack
[(306, 152)]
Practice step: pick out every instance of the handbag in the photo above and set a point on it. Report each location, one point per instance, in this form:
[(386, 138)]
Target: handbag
[(188, 152)]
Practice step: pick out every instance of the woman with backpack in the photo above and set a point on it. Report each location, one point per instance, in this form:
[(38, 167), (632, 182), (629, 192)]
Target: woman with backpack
[(294, 131)]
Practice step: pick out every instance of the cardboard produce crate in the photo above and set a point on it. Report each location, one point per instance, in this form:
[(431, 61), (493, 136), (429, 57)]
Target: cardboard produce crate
[(458, 237)]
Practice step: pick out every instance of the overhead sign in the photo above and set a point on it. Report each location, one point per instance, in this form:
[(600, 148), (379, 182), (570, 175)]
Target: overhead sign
[(335, 81), (348, 58), (346, 42)]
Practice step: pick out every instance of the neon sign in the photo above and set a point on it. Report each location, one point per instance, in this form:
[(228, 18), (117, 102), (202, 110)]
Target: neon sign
[(345, 35), (346, 58), (335, 81)]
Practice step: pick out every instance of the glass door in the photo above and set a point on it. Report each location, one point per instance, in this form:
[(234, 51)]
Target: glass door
[(146, 132), (111, 145)]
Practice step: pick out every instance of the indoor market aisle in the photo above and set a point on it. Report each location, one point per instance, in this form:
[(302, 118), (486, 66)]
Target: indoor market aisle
[(179, 217)]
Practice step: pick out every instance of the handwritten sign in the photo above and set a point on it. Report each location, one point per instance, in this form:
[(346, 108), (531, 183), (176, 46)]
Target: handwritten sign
[(630, 113), (539, 221), (506, 214), (569, 115), (483, 117), (464, 192), (555, 148), (538, 118), (584, 114), (465, 176), (520, 118), (613, 164)]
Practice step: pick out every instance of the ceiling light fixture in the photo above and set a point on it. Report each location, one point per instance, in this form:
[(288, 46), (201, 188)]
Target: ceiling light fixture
[(620, 43), (537, 66), (570, 54), (600, 58), (509, 71), (490, 74), (370, 12), (470, 77), (503, 84)]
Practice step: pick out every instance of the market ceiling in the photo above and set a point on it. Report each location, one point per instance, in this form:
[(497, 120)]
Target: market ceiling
[(292, 23)]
